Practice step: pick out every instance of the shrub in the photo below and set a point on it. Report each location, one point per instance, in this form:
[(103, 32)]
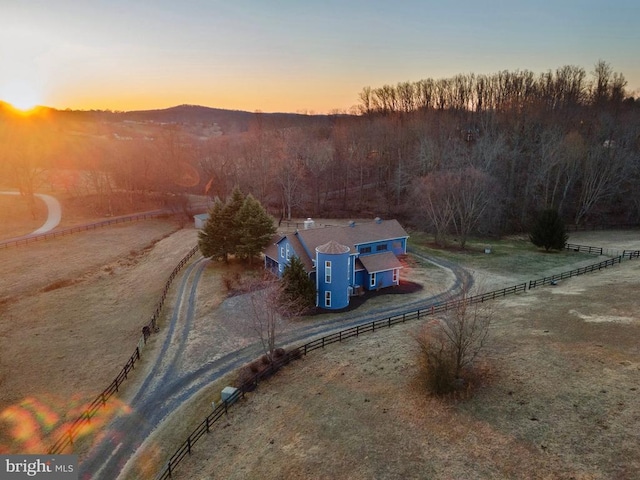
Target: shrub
[(294, 354), (436, 362), (449, 346), (254, 367), (245, 379)]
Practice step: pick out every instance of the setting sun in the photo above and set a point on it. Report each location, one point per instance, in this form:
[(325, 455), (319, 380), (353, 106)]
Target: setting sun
[(21, 96)]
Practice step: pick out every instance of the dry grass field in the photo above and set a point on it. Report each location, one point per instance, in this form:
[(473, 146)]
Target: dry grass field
[(71, 313), (558, 399)]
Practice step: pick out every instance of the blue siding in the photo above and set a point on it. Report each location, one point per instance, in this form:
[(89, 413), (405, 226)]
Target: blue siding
[(284, 246), (338, 284), (385, 279)]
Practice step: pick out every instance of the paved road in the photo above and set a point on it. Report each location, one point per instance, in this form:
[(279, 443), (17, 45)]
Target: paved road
[(172, 380), (54, 212)]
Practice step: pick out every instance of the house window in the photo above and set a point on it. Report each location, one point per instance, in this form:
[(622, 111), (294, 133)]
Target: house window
[(280, 267), (327, 299), (365, 249), (282, 252), (288, 253), (373, 280), (381, 248), (395, 275), (327, 271)]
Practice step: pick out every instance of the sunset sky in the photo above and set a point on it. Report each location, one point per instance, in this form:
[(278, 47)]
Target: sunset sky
[(286, 55)]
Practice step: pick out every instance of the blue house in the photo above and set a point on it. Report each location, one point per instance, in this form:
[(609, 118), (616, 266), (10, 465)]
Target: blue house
[(343, 261)]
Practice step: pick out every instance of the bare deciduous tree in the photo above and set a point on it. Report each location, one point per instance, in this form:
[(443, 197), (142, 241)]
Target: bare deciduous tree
[(263, 315), (449, 345), (266, 310)]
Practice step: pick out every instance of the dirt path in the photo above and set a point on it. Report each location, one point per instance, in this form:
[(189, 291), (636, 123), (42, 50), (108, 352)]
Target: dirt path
[(54, 212), (558, 400), (189, 359)]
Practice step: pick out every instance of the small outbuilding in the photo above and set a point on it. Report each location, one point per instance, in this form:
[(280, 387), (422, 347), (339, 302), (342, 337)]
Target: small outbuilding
[(200, 220)]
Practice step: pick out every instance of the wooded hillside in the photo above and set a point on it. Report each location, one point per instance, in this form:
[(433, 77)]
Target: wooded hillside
[(465, 154)]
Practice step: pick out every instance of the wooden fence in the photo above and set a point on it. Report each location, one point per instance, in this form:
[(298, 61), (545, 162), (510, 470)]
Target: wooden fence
[(573, 273), (296, 352), (250, 385), (583, 248), (67, 438), (81, 228)]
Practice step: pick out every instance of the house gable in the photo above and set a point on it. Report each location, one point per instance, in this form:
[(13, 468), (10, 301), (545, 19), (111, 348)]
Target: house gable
[(370, 256)]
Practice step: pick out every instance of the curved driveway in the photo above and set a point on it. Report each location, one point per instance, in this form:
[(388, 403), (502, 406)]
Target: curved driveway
[(54, 212), (170, 382)]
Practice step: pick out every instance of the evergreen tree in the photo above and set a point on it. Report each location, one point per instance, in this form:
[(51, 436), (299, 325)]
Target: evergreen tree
[(298, 290), (232, 223), (213, 239), (549, 231), (255, 228)]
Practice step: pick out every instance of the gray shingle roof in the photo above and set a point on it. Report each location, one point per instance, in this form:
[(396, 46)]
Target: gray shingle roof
[(380, 262), (333, 247), (352, 236), (337, 239)]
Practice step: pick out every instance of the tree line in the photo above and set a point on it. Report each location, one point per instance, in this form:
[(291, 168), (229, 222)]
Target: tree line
[(569, 86), (459, 156)]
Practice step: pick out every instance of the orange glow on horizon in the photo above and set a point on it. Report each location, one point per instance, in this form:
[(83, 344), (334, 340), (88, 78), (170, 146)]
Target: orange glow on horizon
[(22, 96)]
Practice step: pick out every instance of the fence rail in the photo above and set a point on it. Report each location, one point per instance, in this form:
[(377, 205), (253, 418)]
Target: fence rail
[(81, 228), (66, 439), (221, 409), (204, 427), (185, 449), (573, 273), (584, 248)]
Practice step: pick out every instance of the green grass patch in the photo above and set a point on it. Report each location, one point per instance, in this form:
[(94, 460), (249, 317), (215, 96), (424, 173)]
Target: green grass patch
[(508, 255)]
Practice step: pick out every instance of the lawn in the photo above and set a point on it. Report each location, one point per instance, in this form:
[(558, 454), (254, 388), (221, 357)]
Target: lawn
[(560, 381)]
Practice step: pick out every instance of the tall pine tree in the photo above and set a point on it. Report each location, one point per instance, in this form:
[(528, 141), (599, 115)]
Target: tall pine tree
[(255, 228), (232, 223), (213, 239)]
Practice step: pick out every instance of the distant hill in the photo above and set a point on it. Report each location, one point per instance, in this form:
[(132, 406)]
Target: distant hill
[(230, 121)]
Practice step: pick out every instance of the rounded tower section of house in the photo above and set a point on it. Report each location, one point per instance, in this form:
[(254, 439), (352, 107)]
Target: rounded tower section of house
[(332, 275)]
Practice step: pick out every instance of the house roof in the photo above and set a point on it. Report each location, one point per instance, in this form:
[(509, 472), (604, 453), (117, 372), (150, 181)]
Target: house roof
[(332, 247), (272, 249), (342, 239), (380, 262), (302, 254), (352, 236)]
